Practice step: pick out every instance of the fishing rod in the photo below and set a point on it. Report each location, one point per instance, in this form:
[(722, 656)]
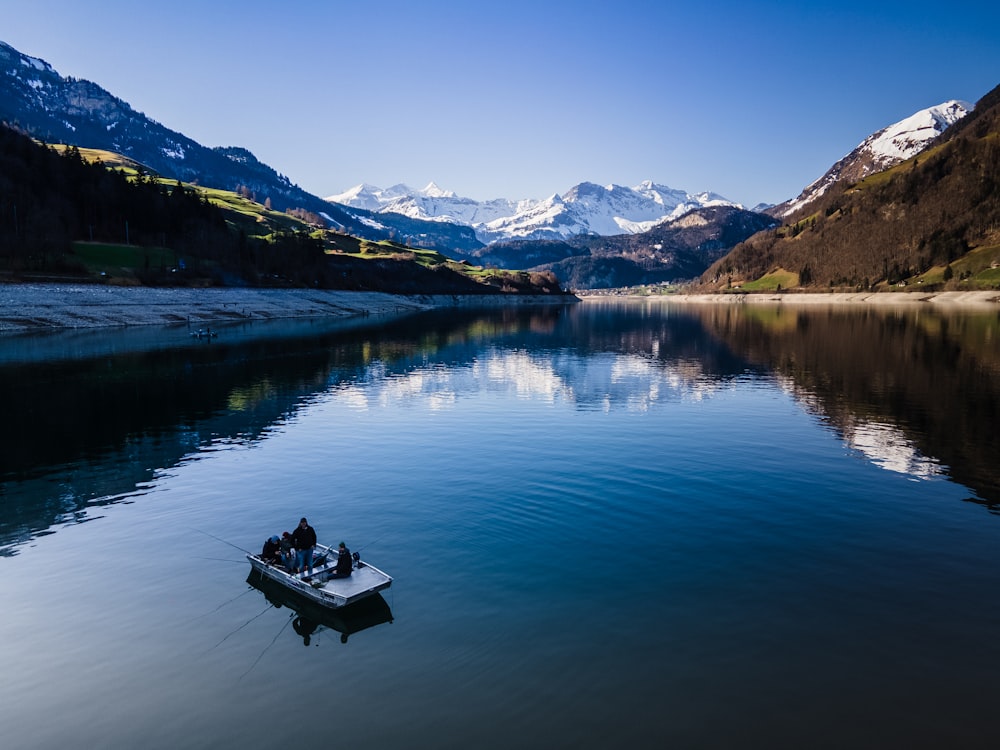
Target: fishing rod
[(355, 555), (358, 549), (235, 546)]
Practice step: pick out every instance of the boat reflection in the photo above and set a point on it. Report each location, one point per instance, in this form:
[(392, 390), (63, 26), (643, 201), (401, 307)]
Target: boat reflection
[(311, 619)]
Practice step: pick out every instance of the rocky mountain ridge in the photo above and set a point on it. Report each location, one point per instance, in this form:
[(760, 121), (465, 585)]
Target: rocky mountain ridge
[(672, 251), (584, 209)]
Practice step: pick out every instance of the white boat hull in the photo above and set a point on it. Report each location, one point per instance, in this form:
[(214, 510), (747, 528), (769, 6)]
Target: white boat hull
[(365, 580)]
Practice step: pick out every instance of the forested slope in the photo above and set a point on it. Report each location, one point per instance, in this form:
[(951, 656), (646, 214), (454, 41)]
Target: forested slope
[(933, 220)]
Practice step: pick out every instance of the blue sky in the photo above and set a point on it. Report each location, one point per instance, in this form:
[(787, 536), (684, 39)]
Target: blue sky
[(515, 99)]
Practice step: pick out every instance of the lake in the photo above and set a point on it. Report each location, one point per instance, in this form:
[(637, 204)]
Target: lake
[(622, 523)]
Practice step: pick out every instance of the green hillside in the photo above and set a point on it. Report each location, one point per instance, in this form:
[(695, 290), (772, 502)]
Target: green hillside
[(932, 222), (69, 213)]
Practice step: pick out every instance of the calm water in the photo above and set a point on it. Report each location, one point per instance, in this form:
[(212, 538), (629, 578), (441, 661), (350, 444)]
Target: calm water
[(611, 525)]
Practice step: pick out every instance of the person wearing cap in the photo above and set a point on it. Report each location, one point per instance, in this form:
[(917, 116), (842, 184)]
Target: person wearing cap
[(304, 539), (271, 554)]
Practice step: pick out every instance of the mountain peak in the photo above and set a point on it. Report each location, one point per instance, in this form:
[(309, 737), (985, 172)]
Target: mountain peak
[(911, 135), (433, 191), (11, 56), (883, 149)]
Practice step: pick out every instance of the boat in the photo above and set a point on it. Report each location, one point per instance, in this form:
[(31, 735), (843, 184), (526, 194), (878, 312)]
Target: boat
[(204, 333), (311, 618), (323, 587)]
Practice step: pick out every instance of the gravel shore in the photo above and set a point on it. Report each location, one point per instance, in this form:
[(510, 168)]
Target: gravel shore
[(36, 307), (982, 299), (39, 307)]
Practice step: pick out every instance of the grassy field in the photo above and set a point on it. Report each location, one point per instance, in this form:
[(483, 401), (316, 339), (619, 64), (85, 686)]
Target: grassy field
[(126, 263), (773, 281), (101, 257), (241, 213), (977, 269), (348, 245), (108, 158)]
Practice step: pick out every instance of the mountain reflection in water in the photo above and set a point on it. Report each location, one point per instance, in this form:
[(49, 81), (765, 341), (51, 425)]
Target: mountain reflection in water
[(915, 390)]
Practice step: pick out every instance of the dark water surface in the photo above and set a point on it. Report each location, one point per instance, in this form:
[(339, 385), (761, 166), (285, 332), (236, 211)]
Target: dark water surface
[(619, 524)]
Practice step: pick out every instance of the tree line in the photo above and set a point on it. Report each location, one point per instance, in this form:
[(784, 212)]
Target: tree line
[(50, 199)]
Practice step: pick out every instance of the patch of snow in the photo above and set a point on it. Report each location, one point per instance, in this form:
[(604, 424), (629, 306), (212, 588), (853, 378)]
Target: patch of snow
[(34, 62), (331, 220), (910, 136), (371, 223), (886, 148)]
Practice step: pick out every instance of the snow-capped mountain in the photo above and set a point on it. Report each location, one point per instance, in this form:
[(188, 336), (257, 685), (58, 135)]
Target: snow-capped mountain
[(583, 209), (879, 151), (430, 203)]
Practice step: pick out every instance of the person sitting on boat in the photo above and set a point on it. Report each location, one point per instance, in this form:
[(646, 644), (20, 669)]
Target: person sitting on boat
[(271, 554), (343, 568), (304, 539), (287, 551)]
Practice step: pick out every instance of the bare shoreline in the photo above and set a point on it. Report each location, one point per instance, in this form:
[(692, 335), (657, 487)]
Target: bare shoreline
[(39, 307), (978, 299), (28, 308)]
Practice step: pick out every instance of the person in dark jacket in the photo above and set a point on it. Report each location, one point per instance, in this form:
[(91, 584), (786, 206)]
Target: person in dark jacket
[(304, 539), (344, 562), (271, 554), (287, 552)]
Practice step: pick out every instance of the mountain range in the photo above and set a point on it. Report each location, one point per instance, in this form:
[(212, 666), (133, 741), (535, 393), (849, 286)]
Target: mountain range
[(591, 234), (596, 236), (584, 209), (589, 209), (673, 250)]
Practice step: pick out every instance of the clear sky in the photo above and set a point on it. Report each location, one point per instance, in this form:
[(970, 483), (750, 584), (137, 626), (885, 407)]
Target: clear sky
[(514, 99)]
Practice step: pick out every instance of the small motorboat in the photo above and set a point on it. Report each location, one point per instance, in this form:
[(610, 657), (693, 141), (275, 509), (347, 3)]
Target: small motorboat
[(204, 333), (324, 587)]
